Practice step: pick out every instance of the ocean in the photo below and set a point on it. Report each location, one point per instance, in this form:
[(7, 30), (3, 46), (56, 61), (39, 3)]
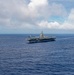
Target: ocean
[(17, 57)]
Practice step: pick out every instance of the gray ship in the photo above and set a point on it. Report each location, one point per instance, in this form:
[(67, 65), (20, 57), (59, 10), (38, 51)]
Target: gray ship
[(41, 38)]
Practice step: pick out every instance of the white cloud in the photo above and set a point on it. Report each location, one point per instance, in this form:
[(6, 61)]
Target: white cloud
[(58, 10), (19, 13), (68, 24), (71, 16), (43, 8), (35, 3), (37, 7), (50, 25), (56, 25)]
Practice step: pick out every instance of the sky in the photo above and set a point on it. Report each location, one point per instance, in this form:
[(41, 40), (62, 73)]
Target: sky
[(34, 16)]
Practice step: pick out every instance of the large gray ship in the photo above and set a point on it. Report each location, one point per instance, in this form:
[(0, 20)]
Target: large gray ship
[(41, 38)]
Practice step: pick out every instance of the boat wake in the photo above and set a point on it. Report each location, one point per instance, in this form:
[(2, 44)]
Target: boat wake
[(65, 38)]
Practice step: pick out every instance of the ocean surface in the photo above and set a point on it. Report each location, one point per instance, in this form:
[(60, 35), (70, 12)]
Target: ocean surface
[(17, 57)]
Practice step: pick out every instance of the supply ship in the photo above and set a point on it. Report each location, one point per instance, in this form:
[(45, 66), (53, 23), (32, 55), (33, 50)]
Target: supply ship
[(40, 39)]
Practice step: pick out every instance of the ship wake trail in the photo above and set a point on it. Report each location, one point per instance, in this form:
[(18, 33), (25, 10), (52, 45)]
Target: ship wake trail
[(66, 38)]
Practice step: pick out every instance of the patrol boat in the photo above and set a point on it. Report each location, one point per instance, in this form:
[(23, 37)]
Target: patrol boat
[(41, 38)]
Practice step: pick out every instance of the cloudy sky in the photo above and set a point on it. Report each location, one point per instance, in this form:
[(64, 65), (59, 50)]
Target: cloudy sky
[(34, 16)]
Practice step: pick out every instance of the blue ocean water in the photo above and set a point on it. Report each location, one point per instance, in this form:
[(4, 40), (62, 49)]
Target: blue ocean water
[(17, 57)]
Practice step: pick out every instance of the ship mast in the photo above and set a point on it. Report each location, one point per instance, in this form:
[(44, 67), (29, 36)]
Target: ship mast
[(42, 35)]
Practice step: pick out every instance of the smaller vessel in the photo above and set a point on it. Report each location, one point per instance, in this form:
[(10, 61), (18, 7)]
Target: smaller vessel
[(41, 38)]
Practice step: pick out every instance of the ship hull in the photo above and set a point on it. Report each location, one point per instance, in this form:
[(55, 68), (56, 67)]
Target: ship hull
[(38, 40)]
